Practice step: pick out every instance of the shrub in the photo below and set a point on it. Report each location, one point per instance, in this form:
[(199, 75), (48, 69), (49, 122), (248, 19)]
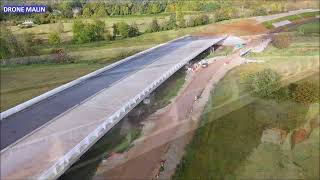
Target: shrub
[(260, 11), (133, 30), (154, 26), (123, 29), (79, 33), (61, 56), (263, 84), (86, 32), (282, 94), (222, 14), (306, 93), (171, 24), (54, 38), (181, 22), (281, 41), (191, 22)]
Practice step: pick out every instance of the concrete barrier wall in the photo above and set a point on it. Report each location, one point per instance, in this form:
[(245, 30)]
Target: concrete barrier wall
[(75, 82)]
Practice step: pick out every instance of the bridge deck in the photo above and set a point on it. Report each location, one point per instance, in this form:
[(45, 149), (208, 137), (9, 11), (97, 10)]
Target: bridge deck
[(79, 110)]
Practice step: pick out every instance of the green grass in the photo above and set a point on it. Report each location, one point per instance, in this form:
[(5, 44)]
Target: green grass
[(312, 28), (268, 24), (20, 83), (229, 133)]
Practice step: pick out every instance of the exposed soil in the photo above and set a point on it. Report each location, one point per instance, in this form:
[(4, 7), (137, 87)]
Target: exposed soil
[(239, 28)]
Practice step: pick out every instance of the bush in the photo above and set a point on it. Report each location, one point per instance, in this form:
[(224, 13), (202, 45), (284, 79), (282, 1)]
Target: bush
[(181, 22), (263, 84), (154, 26), (281, 41), (54, 38), (171, 24), (86, 32), (191, 22), (133, 30), (125, 30), (222, 14), (306, 93), (282, 94), (61, 56), (260, 11)]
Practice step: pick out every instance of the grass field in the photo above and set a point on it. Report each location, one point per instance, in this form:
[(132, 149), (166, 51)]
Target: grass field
[(231, 130), (312, 29), (20, 83)]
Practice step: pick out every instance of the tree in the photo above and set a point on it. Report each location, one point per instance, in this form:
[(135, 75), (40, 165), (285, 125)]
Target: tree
[(86, 11), (180, 19), (54, 38), (79, 35), (306, 93), (115, 30), (98, 29), (171, 24), (281, 41), (191, 22), (123, 29), (86, 32), (100, 12), (154, 26), (10, 46), (133, 30), (263, 84)]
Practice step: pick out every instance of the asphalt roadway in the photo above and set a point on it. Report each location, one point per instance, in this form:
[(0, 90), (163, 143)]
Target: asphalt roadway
[(21, 123)]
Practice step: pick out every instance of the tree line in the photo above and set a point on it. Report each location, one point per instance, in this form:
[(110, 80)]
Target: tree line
[(82, 8)]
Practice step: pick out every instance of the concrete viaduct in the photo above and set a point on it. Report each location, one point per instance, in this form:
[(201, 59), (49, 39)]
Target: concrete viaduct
[(41, 138)]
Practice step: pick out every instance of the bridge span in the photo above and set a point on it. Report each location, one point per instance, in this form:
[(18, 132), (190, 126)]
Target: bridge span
[(43, 137)]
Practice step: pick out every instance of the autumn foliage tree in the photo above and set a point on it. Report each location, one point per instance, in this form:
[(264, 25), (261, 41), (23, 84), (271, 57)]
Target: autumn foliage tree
[(306, 93)]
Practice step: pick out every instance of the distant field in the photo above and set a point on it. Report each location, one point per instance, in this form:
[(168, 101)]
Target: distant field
[(231, 128)]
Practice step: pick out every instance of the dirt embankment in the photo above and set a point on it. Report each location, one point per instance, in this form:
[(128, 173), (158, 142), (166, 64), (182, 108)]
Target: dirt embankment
[(239, 28)]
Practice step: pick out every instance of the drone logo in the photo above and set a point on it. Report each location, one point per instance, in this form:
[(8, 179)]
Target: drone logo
[(24, 9)]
